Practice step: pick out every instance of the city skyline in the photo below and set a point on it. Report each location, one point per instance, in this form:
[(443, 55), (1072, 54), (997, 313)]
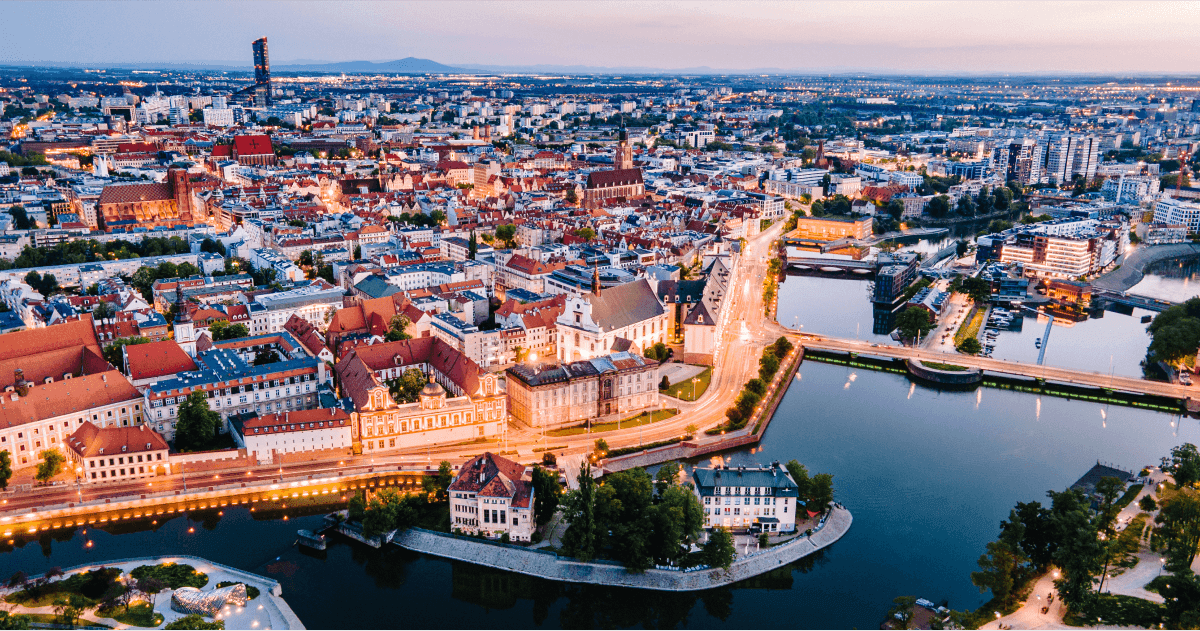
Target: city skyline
[(884, 37)]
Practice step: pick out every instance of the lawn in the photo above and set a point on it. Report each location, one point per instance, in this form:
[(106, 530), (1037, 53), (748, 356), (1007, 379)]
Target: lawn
[(687, 391), (140, 614), (946, 367), (970, 326), (1129, 495), (50, 618), (633, 421), (175, 575), (251, 591)]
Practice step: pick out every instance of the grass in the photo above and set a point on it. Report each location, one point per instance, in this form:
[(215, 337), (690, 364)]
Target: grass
[(1117, 610), (251, 591), (941, 366), (1129, 495), (644, 418), (175, 575), (686, 390), (969, 327), (140, 614), (628, 450)]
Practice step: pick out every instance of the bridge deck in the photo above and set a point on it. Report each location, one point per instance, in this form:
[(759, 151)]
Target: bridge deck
[(1115, 383)]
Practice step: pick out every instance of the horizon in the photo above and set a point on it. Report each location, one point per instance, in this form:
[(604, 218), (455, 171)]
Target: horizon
[(915, 38)]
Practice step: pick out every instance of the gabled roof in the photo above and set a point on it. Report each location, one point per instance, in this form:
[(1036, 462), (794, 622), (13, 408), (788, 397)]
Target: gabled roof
[(156, 359), (132, 193), (614, 177), (67, 396), (253, 145), (624, 305), (490, 475), (90, 441)]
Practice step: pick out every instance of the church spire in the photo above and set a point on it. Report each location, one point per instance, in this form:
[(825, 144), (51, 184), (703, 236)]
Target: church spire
[(596, 281)]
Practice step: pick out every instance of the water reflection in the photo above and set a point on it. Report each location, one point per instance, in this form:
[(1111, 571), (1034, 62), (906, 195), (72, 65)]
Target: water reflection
[(1173, 280)]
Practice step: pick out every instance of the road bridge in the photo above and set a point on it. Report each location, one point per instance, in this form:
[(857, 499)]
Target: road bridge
[(1102, 381)]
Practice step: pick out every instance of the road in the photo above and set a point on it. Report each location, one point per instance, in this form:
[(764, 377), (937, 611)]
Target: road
[(1048, 373), (746, 332)]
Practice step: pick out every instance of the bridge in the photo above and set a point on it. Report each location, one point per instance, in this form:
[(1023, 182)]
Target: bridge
[(1113, 383), (832, 265), (1122, 298)]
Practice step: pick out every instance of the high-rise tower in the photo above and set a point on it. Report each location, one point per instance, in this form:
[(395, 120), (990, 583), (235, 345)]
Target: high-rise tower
[(262, 72)]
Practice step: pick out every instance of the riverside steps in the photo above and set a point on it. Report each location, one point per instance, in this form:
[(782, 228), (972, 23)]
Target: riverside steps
[(548, 565)]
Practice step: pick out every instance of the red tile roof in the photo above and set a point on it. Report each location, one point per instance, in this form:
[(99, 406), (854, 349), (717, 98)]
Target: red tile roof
[(130, 193), (89, 441), (68, 396), (157, 359), (253, 145), (297, 421)]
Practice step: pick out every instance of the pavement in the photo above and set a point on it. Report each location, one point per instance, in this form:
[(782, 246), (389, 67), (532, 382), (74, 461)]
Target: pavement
[(1030, 615), (941, 339), (679, 373)]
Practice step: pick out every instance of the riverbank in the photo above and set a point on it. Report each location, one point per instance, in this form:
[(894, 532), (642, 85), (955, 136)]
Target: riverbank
[(267, 611), (548, 565), (1133, 266)]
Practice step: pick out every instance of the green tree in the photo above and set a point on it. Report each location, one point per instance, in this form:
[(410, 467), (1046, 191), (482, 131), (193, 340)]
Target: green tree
[(69, 607), (1185, 464), (5, 469), (306, 258), (472, 246), (357, 507), (51, 465), (1147, 503), (938, 206), (799, 475), (264, 357), (1080, 550), (970, 346), (821, 491), (666, 477), (585, 233), (223, 330), (914, 322), (1001, 565), (718, 551), (546, 494), (445, 475), (757, 386), (579, 510), (677, 521), (507, 233), (902, 612), (1179, 525), (1109, 489), (197, 424), (978, 289), (768, 365), (398, 328)]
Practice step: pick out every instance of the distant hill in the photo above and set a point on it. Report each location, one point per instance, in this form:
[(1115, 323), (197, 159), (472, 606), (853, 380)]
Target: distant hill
[(408, 65)]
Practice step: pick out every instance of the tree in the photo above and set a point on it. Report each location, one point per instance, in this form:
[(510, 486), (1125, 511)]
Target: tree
[(197, 424), (1109, 489), (445, 476), (978, 289), (800, 476), (546, 494), (103, 311), (601, 447), (782, 347), (666, 477), (585, 233), (768, 365), (914, 322), (507, 233), (677, 521), (757, 386), (68, 608), (472, 246), (665, 383), (264, 357), (1080, 549), (398, 328), (902, 611), (357, 507), (718, 551), (51, 465), (970, 346), (223, 330), (5, 469), (580, 539), (1147, 503), (1002, 563), (939, 206), (1179, 524), (894, 208), (306, 258), (1185, 464), (821, 491), (572, 197)]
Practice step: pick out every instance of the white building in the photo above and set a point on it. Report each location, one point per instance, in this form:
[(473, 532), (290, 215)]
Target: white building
[(492, 495), (267, 437), (117, 454), (627, 317), (762, 498), (218, 117), (1177, 211)]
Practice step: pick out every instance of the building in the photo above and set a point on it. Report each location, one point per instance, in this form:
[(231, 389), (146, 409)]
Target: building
[(117, 454), (150, 363), (762, 498), (262, 73), (56, 380), (831, 228), (267, 437), (151, 205), (552, 396), (1064, 248), (1173, 211), (627, 317), (492, 495), (234, 387), (461, 402)]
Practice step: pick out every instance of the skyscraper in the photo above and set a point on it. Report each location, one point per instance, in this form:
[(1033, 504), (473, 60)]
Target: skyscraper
[(262, 73)]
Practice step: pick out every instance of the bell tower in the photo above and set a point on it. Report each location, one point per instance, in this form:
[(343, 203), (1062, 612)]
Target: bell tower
[(624, 156), (185, 332)]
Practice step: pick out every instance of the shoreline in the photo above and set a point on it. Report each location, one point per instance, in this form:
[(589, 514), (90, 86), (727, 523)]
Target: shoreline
[(548, 565)]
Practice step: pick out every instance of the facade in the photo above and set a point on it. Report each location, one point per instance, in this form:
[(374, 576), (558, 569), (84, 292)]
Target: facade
[(461, 402), (1178, 212), (763, 498), (603, 186), (267, 437), (117, 454), (151, 205), (262, 72), (627, 317), (551, 396), (492, 495), (831, 228), (1065, 248)]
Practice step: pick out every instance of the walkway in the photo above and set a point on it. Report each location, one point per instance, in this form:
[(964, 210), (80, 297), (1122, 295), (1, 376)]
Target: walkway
[(1030, 615), (550, 566)]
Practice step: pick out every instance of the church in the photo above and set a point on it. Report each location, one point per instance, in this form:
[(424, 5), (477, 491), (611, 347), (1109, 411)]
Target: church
[(622, 182)]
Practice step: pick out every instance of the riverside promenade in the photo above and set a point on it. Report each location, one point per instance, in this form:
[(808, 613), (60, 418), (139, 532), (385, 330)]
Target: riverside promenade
[(549, 565)]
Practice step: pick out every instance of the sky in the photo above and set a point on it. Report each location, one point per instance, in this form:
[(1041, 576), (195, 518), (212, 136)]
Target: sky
[(968, 37)]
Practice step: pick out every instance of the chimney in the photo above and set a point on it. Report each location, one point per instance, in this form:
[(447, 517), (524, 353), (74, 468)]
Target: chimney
[(22, 385)]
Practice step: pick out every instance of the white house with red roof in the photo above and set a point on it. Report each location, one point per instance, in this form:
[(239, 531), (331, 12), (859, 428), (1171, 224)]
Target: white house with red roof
[(269, 436), (492, 495)]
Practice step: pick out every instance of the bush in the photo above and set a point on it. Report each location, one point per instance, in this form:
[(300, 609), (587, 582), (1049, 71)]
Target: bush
[(194, 621), (549, 459), (970, 346), (1147, 503), (175, 575)]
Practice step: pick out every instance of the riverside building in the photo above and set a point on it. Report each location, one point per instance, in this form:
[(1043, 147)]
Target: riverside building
[(759, 499)]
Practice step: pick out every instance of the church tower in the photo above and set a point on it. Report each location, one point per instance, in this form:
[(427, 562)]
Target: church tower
[(624, 156), (185, 332)]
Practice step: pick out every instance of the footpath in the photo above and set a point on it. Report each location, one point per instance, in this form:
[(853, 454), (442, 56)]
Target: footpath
[(548, 565)]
